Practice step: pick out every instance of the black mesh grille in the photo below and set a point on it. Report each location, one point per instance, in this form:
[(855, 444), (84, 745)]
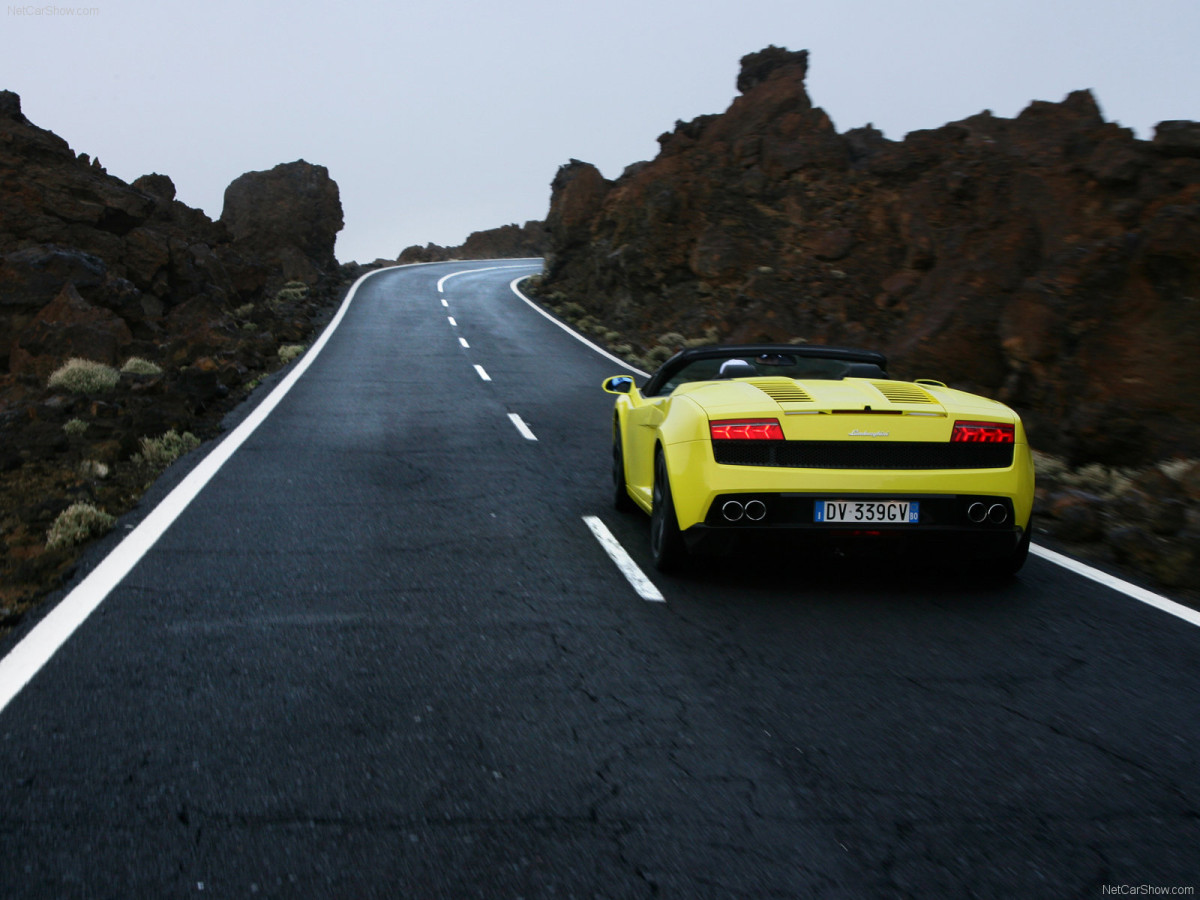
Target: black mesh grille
[(863, 454)]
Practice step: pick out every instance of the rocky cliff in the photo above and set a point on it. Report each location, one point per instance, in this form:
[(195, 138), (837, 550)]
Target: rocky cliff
[(1051, 260), (506, 242), (179, 313)]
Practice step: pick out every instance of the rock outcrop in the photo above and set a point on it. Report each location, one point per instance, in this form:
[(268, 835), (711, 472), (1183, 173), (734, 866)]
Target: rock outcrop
[(1052, 260), (506, 242), (97, 269), (288, 217)]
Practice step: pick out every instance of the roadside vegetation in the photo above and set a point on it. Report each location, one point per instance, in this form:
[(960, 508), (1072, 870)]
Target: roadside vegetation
[(83, 376)]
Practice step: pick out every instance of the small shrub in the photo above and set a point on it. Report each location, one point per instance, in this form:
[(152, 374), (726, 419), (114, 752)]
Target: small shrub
[(158, 453), (672, 339), (76, 524), (93, 469), (711, 336), (293, 290), (245, 311), (288, 352), (1175, 469), (656, 356), (571, 310), (75, 427), (135, 365), (84, 376)]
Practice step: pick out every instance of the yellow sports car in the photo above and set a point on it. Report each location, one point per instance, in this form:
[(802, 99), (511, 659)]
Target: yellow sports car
[(819, 444)]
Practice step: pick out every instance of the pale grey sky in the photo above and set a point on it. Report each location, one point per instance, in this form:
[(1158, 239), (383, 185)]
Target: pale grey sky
[(437, 119)]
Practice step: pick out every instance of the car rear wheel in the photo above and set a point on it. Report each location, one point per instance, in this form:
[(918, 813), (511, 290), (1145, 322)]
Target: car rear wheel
[(621, 499), (1003, 569), (666, 541)]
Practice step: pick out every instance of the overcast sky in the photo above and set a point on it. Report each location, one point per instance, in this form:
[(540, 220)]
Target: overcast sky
[(444, 117)]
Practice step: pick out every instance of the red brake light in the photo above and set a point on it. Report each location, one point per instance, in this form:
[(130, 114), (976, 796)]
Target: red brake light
[(746, 430), (983, 433)]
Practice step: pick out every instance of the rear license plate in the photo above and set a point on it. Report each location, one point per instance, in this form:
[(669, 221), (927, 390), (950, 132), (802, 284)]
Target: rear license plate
[(868, 512)]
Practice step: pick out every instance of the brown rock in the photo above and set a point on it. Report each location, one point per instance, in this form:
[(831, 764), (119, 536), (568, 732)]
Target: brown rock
[(834, 244), (506, 242), (1052, 260), (67, 327), (1076, 516), (1178, 138), (1189, 482), (289, 216)]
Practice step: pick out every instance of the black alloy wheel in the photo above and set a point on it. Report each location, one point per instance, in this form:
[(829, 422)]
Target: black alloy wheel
[(666, 541)]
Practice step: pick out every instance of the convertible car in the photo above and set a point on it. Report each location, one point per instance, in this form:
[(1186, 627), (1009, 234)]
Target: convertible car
[(819, 446)]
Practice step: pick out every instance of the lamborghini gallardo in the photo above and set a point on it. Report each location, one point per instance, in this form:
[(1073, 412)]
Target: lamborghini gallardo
[(819, 447)]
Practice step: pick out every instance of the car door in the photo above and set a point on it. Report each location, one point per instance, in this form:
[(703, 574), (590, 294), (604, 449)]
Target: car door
[(641, 430)]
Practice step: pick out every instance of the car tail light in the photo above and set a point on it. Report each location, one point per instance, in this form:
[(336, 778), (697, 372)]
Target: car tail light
[(746, 430), (983, 433)]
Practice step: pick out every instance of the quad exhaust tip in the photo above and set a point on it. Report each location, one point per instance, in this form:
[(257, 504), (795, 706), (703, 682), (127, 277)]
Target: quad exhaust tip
[(997, 513), (752, 510)]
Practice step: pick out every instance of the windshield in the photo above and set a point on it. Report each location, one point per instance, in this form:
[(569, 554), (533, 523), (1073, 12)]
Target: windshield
[(767, 365)]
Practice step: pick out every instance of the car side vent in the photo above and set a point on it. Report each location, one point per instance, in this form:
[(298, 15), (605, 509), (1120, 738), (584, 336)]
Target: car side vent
[(782, 392), (899, 392)]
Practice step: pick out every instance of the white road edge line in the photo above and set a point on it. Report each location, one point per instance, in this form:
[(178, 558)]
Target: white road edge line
[(1111, 581), (522, 427), (643, 585), (1130, 590), (42, 642), (533, 261), (482, 374), (464, 343), (575, 334)]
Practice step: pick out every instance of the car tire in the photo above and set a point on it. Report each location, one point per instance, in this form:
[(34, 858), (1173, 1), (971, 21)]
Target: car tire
[(622, 502), (1009, 566), (666, 541)]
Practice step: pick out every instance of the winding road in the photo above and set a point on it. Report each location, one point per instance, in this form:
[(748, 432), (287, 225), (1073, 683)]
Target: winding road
[(379, 651)]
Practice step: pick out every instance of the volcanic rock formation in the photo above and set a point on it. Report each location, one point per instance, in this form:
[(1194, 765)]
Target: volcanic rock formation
[(94, 268), (288, 217), (506, 242), (1051, 260)]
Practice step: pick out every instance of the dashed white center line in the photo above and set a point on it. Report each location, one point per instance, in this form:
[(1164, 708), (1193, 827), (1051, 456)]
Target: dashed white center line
[(522, 427), (464, 343), (482, 374), (444, 303), (643, 585), (450, 319)]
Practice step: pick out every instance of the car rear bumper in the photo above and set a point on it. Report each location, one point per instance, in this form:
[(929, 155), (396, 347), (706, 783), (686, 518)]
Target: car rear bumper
[(700, 487)]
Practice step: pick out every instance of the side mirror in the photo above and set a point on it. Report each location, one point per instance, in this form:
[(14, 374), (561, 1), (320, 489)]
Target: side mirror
[(618, 384)]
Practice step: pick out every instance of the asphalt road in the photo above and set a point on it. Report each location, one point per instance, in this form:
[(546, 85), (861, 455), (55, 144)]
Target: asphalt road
[(381, 654)]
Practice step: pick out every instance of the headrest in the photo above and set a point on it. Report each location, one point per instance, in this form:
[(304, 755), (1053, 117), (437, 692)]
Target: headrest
[(737, 368)]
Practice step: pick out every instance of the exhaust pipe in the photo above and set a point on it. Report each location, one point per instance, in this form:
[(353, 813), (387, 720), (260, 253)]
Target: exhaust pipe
[(977, 512), (732, 510), (756, 510), (997, 515)]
